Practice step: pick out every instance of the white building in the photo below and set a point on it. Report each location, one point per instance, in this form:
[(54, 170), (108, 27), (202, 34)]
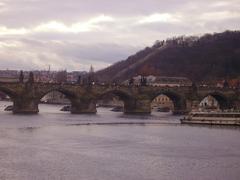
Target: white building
[(209, 102)]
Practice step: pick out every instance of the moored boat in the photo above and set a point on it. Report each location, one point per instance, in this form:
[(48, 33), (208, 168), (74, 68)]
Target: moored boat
[(163, 109), (9, 108), (217, 118), (117, 109), (66, 108)]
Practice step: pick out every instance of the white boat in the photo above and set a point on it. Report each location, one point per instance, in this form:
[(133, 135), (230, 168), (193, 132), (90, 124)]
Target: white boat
[(218, 118)]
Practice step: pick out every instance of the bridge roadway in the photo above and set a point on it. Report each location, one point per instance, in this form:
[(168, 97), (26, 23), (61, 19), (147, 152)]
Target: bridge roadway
[(137, 99)]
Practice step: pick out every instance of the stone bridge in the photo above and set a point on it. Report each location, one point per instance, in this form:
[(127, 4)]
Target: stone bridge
[(137, 99)]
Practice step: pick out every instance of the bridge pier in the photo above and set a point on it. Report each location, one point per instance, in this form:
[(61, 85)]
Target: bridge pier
[(236, 104), (182, 107), (137, 107), (81, 106), (25, 106)]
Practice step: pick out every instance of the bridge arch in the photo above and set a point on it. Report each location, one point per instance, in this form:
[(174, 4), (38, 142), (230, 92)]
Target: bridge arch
[(11, 92), (222, 100), (5, 95), (123, 96), (179, 102), (68, 94), (8, 92)]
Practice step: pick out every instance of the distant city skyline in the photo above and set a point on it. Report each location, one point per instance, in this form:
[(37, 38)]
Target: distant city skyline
[(75, 34)]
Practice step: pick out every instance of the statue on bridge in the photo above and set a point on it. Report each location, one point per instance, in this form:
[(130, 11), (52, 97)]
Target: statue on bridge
[(131, 82), (21, 77), (31, 78), (143, 81), (79, 80)]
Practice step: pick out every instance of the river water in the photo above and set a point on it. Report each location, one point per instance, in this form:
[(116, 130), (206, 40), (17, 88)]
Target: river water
[(112, 146)]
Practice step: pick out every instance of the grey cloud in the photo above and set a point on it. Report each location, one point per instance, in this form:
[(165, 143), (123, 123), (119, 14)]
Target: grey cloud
[(23, 12), (113, 41), (33, 54), (107, 53)]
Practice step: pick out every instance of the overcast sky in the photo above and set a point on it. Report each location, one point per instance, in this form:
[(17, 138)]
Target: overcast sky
[(73, 34)]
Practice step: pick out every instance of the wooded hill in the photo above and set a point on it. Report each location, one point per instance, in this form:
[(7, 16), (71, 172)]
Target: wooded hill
[(209, 57)]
